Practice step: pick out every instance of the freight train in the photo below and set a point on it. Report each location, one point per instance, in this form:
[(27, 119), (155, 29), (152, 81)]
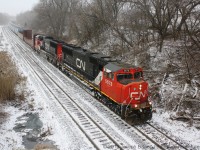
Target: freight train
[(118, 85)]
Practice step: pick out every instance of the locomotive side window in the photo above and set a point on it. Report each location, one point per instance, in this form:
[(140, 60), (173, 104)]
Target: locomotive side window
[(138, 75), (109, 75), (105, 74), (112, 76), (124, 76)]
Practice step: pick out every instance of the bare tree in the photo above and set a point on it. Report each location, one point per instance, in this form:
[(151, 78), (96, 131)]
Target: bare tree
[(185, 8), (160, 13), (52, 14), (26, 19), (192, 46)]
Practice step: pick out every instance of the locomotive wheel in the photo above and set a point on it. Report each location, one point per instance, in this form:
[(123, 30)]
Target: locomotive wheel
[(147, 114), (118, 109), (97, 95), (60, 67), (104, 100), (38, 51), (123, 111)]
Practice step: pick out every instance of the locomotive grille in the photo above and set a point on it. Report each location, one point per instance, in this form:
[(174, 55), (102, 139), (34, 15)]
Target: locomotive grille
[(143, 105)]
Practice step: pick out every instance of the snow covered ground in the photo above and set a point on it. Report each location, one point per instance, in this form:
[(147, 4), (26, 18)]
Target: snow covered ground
[(61, 127), (61, 133), (181, 130)]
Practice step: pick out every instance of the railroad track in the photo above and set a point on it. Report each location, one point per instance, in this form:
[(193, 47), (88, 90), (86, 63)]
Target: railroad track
[(145, 133), (156, 136), (153, 134), (159, 138)]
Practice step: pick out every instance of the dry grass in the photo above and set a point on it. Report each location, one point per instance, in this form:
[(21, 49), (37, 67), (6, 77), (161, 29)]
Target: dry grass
[(44, 147), (9, 78)]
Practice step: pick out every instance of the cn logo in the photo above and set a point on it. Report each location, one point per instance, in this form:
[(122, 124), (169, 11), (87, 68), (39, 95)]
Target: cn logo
[(80, 64), (138, 95)]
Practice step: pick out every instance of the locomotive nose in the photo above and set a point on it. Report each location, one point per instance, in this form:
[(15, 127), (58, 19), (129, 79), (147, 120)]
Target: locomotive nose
[(139, 91)]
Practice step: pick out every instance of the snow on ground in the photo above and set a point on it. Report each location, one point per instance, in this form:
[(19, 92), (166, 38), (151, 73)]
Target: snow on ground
[(61, 127), (10, 139), (171, 90), (179, 129)]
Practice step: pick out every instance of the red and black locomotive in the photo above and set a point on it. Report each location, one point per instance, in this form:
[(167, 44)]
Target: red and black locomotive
[(118, 85)]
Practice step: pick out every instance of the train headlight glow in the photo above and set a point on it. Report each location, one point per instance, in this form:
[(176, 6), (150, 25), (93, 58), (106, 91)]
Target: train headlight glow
[(140, 87), (136, 105)]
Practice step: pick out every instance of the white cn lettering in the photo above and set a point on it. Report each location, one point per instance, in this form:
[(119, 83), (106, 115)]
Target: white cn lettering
[(138, 94), (80, 64)]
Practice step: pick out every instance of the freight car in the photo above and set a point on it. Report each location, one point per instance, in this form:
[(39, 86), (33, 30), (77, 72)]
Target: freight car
[(118, 85)]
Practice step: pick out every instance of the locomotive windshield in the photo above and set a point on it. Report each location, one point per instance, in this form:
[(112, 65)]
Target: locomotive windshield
[(138, 75), (128, 78), (124, 76)]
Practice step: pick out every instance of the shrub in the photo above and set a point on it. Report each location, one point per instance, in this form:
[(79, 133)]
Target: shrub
[(9, 77), (44, 147)]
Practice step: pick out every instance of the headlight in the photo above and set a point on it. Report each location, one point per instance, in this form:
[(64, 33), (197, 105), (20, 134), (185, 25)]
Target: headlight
[(140, 87)]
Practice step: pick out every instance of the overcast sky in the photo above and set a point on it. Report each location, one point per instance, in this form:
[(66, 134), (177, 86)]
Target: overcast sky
[(14, 7)]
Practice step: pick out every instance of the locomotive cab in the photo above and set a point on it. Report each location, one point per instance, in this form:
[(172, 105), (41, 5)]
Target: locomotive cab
[(37, 41), (127, 87)]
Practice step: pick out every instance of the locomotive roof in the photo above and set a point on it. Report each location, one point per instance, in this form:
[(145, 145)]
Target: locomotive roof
[(102, 57), (71, 46), (115, 66), (54, 41), (112, 67)]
